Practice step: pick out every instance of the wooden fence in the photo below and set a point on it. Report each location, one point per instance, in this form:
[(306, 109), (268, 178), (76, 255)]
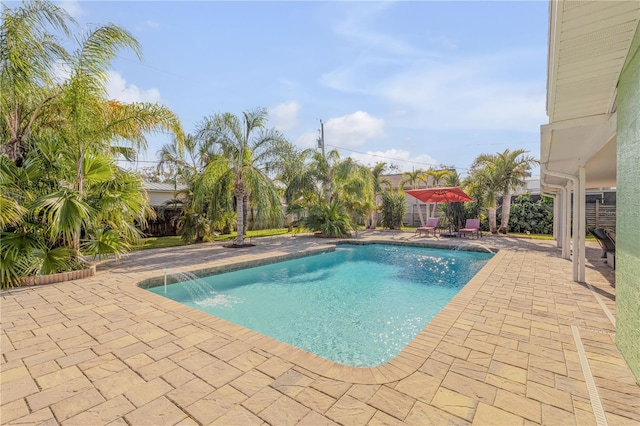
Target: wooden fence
[(601, 215)]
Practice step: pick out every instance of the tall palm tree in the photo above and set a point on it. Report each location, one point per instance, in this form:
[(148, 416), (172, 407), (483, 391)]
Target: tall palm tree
[(291, 166), (511, 168), (316, 183), (377, 174), (247, 152), (89, 123), (66, 184), (184, 164), (414, 178), (353, 185), (28, 55), (483, 186)]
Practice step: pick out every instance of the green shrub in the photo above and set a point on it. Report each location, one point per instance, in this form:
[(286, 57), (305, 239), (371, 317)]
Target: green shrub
[(330, 219), (394, 207), (528, 216)]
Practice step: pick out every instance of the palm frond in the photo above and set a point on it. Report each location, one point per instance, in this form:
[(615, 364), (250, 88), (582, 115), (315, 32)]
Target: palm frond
[(11, 212), (102, 243), (64, 212)]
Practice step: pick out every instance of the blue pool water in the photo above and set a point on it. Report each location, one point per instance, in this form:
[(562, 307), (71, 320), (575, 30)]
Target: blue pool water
[(358, 305)]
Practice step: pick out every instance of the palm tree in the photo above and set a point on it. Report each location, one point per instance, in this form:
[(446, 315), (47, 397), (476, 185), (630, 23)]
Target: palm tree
[(247, 152), (414, 178), (482, 184), (66, 185), (511, 167), (182, 164), (454, 212), (436, 176), (28, 55), (89, 123), (379, 180), (291, 166), (353, 186)]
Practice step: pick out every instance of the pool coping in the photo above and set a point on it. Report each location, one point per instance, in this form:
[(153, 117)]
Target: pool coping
[(408, 361)]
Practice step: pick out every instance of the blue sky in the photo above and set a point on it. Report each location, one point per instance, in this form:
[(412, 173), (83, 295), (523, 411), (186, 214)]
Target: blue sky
[(426, 82)]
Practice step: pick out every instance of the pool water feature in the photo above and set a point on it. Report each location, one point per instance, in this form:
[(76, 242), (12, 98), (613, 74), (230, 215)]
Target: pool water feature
[(357, 305)]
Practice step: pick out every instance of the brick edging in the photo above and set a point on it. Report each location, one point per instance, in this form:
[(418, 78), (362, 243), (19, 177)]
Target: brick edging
[(57, 278)]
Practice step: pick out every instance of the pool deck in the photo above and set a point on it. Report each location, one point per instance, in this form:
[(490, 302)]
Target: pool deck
[(521, 344)]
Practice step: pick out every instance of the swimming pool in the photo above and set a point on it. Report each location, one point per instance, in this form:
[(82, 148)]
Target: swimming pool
[(357, 305)]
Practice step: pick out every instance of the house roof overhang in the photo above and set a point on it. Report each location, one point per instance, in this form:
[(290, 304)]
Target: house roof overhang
[(588, 45)]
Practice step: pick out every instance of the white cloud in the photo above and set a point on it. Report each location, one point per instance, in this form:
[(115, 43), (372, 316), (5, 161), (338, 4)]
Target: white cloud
[(285, 115), (307, 140), (357, 28), (466, 95), (347, 131), (353, 130), (117, 88), (61, 72), (147, 24), (477, 93), (398, 157), (72, 7), (433, 89)]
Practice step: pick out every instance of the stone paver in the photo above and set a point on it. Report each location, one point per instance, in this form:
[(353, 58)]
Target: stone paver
[(103, 351)]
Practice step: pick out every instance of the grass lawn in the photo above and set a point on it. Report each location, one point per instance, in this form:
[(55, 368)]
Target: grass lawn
[(175, 241), (510, 234)]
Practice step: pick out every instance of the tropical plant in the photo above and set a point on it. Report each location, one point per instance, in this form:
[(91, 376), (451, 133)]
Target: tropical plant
[(329, 177), (65, 196), (329, 219), (483, 186), (291, 165), (394, 207), (29, 55), (437, 176), (454, 213), (353, 186), (379, 181), (246, 152), (532, 217), (413, 178), (510, 170)]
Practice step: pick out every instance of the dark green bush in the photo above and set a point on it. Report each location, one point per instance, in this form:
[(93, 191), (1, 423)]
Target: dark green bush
[(394, 207), (528, 216)]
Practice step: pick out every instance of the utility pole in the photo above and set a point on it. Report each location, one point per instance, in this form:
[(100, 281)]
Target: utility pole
[(327, 177), (321, 139)]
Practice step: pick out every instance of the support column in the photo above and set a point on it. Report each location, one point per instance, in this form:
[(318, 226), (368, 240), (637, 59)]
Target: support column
[(566, 227), (582, 224)]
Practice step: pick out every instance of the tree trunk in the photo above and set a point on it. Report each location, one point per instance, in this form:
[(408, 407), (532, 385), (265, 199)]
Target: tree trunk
[(327, 192), (245, 215), (506, 211), (240, 217), (493, 227), (420, 215), (75, 244), (14, 150)]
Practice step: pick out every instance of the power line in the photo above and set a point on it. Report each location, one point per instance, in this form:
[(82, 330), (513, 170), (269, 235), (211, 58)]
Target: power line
[(394, 159)]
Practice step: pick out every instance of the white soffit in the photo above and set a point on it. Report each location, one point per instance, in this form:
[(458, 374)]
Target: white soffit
[(589, 42)]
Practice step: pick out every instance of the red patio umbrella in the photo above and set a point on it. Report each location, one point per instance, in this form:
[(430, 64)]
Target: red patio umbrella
[(440, 195)]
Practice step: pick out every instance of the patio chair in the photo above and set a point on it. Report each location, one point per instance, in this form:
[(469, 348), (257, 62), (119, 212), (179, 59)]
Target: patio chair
[(472, 226), (431, 226), (607, 243)]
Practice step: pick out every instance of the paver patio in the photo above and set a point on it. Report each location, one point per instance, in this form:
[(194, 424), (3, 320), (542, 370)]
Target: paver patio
[(520, 344)]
